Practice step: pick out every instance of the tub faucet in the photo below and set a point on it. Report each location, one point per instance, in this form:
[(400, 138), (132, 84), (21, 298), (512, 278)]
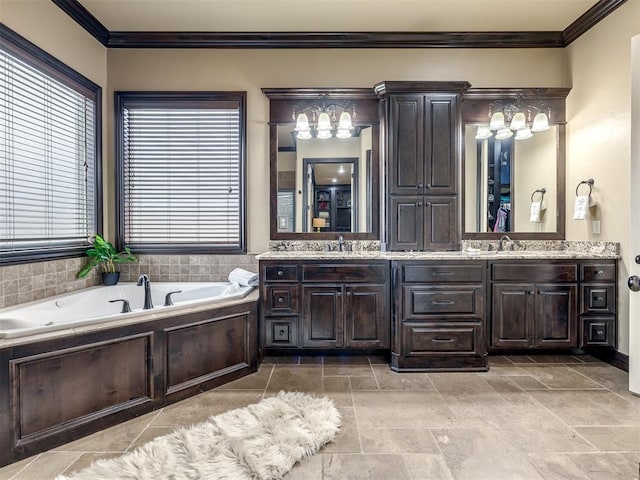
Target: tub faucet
[(503, 238), (144, 280)]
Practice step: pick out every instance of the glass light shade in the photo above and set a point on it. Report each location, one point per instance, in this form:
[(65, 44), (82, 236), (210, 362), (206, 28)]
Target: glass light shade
[(540, 122), (323, 133), (324, 122), (483, 132), (497, 121), (345, 121), (303, 135), (342, 133), (302, 123), (503, 134), (518, 121), (524, 133)]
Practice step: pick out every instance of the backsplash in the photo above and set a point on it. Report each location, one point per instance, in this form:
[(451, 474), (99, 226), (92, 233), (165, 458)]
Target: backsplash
[(35, 281)]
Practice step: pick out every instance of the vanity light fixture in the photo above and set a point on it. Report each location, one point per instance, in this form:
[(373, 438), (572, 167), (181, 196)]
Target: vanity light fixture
[(506, 117), (325, 122)]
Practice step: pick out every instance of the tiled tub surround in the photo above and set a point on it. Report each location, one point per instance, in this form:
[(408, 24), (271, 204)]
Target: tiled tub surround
[(35, 281)]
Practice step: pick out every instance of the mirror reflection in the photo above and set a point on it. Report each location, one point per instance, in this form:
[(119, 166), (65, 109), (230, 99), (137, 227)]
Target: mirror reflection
[(511, 183), (324, 185)]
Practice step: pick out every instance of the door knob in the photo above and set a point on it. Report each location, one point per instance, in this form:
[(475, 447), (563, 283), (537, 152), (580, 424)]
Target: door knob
[(634, 283)]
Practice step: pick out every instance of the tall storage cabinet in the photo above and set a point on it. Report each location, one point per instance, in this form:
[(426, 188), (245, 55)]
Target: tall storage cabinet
[(421, 156)]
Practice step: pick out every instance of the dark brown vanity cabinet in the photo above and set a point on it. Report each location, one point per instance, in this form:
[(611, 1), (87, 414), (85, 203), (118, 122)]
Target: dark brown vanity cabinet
[(438, 316), (598, 299), (325, 305), (421, 134)]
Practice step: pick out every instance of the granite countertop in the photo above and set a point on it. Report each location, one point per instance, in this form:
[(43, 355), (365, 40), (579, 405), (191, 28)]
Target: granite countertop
[(457, 255)]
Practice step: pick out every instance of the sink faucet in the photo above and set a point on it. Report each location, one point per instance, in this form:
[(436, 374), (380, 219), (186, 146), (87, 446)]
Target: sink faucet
[(503, 238), (340, 243), (144, 280)]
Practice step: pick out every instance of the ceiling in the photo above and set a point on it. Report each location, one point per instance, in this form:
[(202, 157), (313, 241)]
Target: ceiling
[(337, 15), (337, 23)]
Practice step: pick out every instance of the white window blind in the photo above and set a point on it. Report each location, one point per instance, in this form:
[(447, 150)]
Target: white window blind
[(182, 170), (48, 158)]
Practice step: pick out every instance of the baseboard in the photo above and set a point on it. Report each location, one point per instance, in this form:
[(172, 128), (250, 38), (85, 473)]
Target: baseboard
[(613, 357)]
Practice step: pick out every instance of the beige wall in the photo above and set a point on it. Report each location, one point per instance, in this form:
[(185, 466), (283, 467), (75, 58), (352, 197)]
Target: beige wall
[(250, 70), (599, 133)]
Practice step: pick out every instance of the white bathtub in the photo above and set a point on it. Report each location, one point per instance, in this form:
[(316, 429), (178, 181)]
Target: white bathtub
[(91, 305)]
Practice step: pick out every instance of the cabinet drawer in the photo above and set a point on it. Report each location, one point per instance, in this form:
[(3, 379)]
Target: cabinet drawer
[(598, 299), (538, 272), (281, 273), (425, 339), (458, 300), (598, 332), (281, 332), (440, 273), (281, 300), (374, 273), (597, 272)]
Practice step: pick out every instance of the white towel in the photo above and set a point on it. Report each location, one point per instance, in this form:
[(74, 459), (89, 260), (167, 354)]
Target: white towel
[(535, 214), (243, 277), (581, 207)]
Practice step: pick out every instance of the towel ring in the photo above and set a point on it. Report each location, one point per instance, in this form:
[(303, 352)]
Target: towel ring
[(589, 182), (541, 191)]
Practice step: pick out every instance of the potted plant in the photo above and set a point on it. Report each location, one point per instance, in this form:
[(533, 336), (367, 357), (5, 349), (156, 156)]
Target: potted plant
[(104, 255)]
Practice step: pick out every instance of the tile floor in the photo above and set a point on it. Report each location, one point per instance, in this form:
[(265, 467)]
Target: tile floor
[(529, 417)]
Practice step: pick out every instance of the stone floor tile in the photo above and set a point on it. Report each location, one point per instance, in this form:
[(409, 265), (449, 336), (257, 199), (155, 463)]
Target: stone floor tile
[(460, 385), (346, 360), (306, 469), (504, 370), (86, 459), (424, 466), (556, 466), (10, 470), (149, 434), (518, 359), (543, 358), (589, 407), (495, 360), (483, 453), (557, 377), (300, 378), (348, 438), (363, 383), (364, 467), (339, 390), (397, 440), (540, 437), (605, 375), (611, 439), (47, 466), (378, 360), (529, 383), (311, 360), (408, 409), (605, 466), (390, 380), (255, 381), (348, 370)]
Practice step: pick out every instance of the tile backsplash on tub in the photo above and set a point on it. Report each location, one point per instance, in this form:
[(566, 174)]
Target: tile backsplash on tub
[(35, 281)]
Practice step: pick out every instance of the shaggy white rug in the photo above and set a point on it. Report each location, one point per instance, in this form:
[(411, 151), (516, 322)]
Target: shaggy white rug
[(259, 442)]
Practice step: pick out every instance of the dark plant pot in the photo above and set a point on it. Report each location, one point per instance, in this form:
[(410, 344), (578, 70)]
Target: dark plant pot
[(110, 278)]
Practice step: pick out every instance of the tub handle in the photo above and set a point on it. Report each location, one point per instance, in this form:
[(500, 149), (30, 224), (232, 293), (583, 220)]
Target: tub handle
[(126, 308), (167, 299)]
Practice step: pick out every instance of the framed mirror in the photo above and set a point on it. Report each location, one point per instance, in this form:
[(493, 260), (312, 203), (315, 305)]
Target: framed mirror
[(323, 183), (514, 175)]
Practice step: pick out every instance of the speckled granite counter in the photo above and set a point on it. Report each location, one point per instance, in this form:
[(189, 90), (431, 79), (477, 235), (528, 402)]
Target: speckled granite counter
[(465, 255)]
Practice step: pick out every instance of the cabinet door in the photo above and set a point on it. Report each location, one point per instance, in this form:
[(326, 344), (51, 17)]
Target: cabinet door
[(440, 144), (406, 229), (440, 223), (366, 318), (556, 316), (512, 318), (406, 144), (322, 323)]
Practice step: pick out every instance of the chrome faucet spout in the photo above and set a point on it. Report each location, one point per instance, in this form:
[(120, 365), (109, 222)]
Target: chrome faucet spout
[(340, 243), (144, 280), (503, 238)]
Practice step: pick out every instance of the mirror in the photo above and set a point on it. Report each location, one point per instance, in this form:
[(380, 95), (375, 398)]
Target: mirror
[(513, 186), (503, 178), (324, 181), (323, 187)]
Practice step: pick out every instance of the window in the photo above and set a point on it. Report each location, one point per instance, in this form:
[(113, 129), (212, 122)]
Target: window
[(181, 165), (49, 154)]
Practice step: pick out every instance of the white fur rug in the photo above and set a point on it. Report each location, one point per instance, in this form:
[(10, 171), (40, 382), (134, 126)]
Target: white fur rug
[(259, 442)]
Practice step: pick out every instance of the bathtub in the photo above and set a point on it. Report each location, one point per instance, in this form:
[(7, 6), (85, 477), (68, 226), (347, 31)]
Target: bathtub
[(91, 305)]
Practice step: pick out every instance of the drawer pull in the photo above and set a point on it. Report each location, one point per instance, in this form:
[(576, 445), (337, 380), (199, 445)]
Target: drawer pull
[(599, 332), (442, 274), (599, 272), (442, 340), (348, 294), (280, 299), (442, 302), (280, 273)]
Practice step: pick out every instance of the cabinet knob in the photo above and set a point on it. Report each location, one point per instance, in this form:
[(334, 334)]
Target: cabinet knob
[(419, 204), (599, 272), (348, 294), (428, 185), (280, 299), (599, 332), (420, 185), (428, 204), (339, 294), (281, 332), (280, 273)]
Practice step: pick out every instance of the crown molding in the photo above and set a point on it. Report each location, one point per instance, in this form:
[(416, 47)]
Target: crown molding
[(295, 40)]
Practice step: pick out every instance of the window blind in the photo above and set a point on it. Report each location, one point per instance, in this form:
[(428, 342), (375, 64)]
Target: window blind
[(182, 170), (48, 160)]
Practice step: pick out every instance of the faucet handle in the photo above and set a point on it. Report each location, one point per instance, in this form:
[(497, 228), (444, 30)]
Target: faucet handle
[(126, 308), (167, 299)]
